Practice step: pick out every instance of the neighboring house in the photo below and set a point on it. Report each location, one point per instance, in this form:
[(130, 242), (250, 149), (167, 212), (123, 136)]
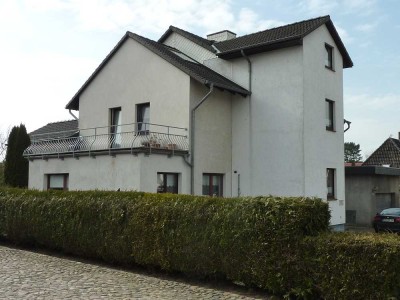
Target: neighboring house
[(252, 115), (370, 189), (374, 185), (388, 154)]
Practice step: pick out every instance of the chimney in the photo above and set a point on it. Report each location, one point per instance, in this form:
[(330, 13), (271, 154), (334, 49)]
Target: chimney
[(221, 36)]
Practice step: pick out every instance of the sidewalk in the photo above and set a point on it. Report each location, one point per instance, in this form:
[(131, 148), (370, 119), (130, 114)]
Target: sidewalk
[(30, 275)]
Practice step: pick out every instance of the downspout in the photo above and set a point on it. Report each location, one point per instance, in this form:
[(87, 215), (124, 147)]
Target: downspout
[(192, 139), (250, 122), (70, 112), (250, 68)]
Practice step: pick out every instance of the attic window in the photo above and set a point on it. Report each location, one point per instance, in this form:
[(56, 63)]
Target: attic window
[(329, 57)]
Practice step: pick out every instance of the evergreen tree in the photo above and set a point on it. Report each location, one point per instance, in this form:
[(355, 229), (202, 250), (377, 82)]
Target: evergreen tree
[(16, 166), (352, 152)]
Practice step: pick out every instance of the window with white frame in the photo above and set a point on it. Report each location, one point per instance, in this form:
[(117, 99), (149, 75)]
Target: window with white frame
[(329, 56), (330, 183), (57, 182), (143, 118), (329, 115), (115, 127)]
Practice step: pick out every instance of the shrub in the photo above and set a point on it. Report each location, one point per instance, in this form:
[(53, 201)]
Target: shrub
[(355, 266), (256, 241)]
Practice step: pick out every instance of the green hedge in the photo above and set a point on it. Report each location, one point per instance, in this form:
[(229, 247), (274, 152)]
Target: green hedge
[(355, 266), (257, 241)]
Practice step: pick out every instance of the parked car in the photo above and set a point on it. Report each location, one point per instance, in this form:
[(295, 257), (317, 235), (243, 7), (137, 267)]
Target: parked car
[(387, 220)]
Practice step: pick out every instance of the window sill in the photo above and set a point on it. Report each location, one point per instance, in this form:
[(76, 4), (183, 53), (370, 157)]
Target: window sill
[(331, 130), (331, 199)]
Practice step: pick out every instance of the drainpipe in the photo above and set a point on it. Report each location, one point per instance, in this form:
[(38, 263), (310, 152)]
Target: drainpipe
[(192, 139), (75, 117), (250, 69), (250, 121)]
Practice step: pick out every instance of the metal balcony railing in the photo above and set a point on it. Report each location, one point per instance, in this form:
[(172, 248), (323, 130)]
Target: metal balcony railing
[(133, 138)]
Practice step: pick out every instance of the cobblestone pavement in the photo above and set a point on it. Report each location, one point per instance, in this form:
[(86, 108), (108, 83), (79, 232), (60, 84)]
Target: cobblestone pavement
[(30, 275)]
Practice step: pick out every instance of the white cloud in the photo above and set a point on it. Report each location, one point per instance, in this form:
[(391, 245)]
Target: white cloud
[(368, 27), (323, 7), (361, 7), (38, 86), (318, 7), (154, 16), (344, 35)]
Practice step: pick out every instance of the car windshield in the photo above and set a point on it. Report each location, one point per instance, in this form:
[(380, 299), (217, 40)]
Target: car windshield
[(391, 211)]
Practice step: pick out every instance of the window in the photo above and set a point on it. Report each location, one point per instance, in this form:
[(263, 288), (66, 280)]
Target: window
[(329, 56), (330, 183), (57, 182), (212, 184), (167, 183), (329, 115), (143, 118), (115, 127)]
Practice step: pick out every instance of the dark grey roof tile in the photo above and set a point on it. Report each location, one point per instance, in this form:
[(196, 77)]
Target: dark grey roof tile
[(205, 43), (56, 130), (387, 154)]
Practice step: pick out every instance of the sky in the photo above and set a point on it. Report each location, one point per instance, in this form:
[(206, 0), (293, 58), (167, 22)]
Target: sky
[(48, 48)]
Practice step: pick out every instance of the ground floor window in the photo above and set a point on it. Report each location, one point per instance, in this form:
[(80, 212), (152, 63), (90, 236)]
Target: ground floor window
[(212, 184), (167, 183), (330, 183), (57, 182)]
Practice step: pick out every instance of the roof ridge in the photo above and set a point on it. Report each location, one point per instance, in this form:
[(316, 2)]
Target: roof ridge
[(394, 141), (57, 122)]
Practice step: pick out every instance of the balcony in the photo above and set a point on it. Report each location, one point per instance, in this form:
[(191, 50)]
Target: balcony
[(128, 138)]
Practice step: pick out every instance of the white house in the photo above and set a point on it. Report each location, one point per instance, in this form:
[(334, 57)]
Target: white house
[(251, 115)]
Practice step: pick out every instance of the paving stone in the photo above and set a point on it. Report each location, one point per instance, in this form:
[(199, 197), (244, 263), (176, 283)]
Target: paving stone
[(30, 275)]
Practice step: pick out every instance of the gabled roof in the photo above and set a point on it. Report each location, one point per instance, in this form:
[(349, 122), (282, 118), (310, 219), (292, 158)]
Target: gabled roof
[(280, 37), (205, 43), (387, 154), (55, 130), (270, 39), (194, 69)]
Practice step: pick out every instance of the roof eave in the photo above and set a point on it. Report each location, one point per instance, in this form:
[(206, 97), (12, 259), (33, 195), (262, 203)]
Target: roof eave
[(285, 43), (347, 62), (73, 104)]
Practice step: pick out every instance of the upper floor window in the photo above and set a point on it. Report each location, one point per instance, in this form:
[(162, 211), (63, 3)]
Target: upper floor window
[(330, 183), (212, 184), (143, 117), (329, 115), (115, 127), (329, 56), (57, 181), (167, 183)]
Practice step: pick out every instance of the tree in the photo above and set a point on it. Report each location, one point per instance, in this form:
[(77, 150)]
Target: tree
[(352, 152), (16, 166)]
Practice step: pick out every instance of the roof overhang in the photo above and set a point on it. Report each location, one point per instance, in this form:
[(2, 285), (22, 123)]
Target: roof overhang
[(372, 170), (73, 104), (254, 49)]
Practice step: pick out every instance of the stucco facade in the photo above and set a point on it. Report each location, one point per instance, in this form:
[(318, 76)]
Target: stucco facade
[(257, 119)]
